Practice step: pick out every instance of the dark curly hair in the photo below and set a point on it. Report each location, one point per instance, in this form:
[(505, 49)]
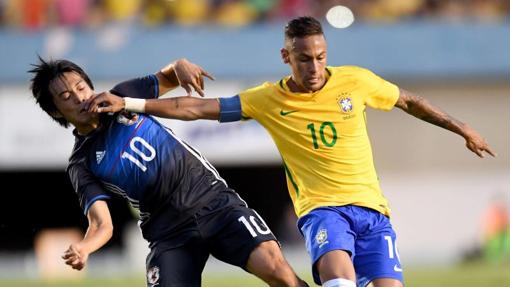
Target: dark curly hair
[(44, 73), (302, 26)]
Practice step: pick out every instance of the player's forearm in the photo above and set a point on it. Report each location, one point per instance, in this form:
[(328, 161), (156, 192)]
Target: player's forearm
[(424, 110), (96, 237), (183, 108)]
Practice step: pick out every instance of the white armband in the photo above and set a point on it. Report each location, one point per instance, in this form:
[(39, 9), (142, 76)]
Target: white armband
[(134, 105)]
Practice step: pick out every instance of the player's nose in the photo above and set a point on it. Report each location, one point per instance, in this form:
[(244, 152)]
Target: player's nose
[(81, 97), (314, 67)]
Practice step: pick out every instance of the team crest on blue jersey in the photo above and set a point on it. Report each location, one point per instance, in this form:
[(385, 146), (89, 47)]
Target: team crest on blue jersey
[(153, 276), (127, 118), (322, 237), (345, 104)]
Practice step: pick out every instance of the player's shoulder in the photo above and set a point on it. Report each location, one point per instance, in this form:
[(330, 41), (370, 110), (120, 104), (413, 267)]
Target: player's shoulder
[(264, 88), (356, 74)]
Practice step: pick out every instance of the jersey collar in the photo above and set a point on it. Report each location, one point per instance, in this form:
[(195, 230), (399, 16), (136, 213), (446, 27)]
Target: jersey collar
[(282, 85)]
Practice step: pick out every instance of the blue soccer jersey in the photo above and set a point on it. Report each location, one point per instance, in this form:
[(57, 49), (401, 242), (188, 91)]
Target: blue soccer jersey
[(135, 156)]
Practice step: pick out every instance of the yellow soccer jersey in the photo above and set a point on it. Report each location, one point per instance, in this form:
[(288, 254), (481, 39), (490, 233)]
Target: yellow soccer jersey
[(322, 136)]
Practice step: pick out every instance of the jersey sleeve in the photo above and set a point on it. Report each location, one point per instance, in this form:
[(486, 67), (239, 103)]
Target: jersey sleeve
[(253, 101), (86, 186), (379, 93), (143, 88)]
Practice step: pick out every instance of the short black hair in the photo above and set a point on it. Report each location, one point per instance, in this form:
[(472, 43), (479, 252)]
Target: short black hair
[(44, 73), (302, 27)]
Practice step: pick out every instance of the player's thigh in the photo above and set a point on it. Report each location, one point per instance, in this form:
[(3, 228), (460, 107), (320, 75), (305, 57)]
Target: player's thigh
[(377, 257), (266, 259), (330, 239), (335, 264), (181, 266), (240, 230), (386, 282)]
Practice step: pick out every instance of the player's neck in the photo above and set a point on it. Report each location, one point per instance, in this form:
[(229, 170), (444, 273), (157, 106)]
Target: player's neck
[(295, 88), (86, 129)]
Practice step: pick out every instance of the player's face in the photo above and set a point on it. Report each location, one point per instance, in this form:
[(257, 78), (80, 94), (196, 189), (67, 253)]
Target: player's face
[(307, 60), (70, 91)]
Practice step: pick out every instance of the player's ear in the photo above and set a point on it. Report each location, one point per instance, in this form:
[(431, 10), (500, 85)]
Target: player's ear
[(285, 55)]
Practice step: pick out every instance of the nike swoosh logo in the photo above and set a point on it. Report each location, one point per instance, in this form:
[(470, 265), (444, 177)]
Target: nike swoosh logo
[(283, 113), (397, 269)]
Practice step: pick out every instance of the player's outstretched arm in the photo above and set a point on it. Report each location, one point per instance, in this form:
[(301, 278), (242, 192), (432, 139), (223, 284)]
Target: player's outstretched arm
[(100, 230), (182, 73), (182, 108), (424, 110)]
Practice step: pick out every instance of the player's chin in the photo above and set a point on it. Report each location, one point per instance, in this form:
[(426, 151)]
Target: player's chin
[(313, 86), (86, 116)]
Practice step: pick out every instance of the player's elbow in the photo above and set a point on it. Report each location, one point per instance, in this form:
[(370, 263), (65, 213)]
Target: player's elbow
[(107, 231), (105, 228)]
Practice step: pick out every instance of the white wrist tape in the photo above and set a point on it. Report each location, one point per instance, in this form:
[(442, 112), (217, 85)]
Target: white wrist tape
[(339, 282), (134, 105)]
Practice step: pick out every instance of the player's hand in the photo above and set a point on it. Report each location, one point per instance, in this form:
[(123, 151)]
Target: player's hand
[(105, 102), (75, 256), (191, 76), (477, 144)]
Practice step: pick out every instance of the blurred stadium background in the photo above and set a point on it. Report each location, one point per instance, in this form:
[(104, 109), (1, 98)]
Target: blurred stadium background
[(450, 209)]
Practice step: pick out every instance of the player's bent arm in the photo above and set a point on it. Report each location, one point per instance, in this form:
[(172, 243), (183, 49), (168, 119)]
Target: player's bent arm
[(100, 227), (99, 231), (424, 110), (184, 73)]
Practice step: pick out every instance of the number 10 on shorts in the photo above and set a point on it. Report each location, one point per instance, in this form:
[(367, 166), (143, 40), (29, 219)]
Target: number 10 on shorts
[(253, 223), (392, 248)]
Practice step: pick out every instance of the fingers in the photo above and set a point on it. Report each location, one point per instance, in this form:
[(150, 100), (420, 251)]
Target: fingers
[(73, 258), (94, 104), (201, 82), (191, 77), (479, 149), (198, 88), (196, 83), (488, 150), (474, 148), (107, 109), (104, 103), (205, 73), (187, 88), (478, 153)]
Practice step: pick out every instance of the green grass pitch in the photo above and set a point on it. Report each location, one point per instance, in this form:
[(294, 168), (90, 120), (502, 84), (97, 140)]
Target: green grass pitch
[(457, 276)]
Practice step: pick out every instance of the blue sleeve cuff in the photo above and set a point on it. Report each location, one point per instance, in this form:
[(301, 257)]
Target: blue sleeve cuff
[(230, 109), (89, 203)]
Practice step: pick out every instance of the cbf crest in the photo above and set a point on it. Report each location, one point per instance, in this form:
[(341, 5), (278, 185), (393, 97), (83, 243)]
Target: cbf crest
[(321, 237), (345, 104), (344, 100)]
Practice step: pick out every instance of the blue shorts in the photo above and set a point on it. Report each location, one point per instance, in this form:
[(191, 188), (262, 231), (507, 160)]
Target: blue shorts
[(364, 233)]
